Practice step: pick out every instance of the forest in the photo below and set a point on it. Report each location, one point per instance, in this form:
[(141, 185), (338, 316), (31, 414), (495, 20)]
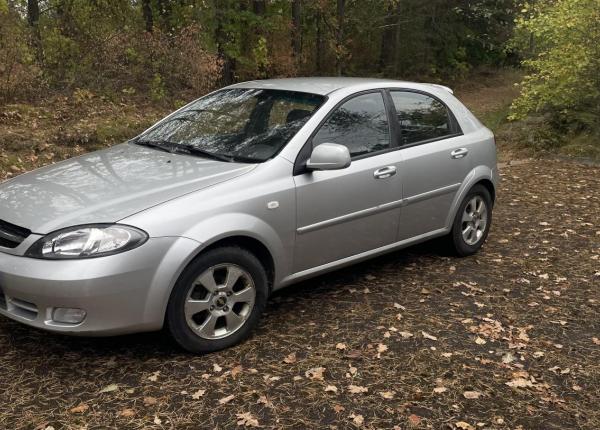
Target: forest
[(168, 51)]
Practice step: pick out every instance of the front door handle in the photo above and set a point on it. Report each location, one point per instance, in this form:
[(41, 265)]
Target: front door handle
[(459, 153), (385, 172)]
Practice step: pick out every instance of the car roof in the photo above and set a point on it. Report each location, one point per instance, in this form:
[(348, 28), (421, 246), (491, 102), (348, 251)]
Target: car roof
[(327, 85)]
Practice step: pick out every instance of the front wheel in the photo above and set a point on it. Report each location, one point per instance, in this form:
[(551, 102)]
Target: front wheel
[(472, 222), (217, 301)]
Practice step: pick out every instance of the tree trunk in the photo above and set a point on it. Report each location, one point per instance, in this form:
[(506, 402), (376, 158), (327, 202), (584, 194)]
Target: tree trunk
[(33, 12), (387, 39), (319, 43), (296, 28), (147, 12), (33, 18), (228, 63), (340, 54), (259, 7)]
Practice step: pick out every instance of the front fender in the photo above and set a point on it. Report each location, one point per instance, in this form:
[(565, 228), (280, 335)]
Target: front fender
[(476, 175), (222, 226)]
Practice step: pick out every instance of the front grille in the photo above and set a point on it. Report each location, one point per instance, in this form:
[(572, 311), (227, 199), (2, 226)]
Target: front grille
[(12, 235)]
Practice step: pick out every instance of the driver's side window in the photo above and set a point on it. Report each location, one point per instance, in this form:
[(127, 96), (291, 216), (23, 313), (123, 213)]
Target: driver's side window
[(360, 124)]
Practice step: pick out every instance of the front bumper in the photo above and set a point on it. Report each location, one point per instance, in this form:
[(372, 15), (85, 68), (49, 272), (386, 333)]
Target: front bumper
[(123, 293)]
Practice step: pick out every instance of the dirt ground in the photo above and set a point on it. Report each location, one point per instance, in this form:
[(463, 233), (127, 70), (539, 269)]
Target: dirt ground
[(507, 339)]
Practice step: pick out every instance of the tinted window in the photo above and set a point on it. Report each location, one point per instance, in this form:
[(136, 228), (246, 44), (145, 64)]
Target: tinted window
[(361, 124), (420, 117), (236, 124)]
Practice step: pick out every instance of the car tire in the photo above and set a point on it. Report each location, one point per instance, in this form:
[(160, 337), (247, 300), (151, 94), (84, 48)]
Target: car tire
[(215, 300), (466, 242)]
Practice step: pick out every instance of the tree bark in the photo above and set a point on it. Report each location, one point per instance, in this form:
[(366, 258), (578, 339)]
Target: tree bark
[(33, 12), (340, 54), (297, 28), (33, 18), (319, 43), (147, 12), (387, 39), (228, 63), (259, 7)]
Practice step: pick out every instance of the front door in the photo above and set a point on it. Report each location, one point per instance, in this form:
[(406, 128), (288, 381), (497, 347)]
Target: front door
[(341, 213)]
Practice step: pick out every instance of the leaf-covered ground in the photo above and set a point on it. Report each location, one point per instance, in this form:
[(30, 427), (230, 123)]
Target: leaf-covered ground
[(507, 339)]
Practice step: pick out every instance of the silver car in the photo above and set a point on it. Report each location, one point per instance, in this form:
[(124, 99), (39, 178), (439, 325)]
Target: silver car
[(192, 224)]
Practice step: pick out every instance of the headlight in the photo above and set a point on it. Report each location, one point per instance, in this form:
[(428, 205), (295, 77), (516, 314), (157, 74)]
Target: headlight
[(87, 241)]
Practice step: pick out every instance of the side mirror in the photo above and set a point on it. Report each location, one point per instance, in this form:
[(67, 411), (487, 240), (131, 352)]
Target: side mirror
[(329, 156)]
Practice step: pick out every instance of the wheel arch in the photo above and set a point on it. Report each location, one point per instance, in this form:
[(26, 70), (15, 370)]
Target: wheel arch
[(250, 244), (481, 175)]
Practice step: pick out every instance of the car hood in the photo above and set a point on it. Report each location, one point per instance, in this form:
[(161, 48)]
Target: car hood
[(106, 186)]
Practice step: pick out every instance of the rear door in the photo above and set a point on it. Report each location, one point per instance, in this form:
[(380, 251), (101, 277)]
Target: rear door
[(435, 161), (341, 213)]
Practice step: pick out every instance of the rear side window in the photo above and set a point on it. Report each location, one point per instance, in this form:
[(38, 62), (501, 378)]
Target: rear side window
[(420, 117), (360, 124)]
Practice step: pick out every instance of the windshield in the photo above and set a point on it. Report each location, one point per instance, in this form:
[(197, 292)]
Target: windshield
[(246, 125)]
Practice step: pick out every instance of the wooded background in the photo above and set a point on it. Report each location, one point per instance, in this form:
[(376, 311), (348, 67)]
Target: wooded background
[(174, 50)]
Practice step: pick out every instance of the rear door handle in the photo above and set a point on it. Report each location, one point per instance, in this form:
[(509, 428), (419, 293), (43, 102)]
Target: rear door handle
[(385, 172), (459, 153)]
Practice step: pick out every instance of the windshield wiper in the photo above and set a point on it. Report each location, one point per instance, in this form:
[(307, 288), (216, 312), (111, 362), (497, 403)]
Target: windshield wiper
[(162, 145), (173, 148), (194, 150)]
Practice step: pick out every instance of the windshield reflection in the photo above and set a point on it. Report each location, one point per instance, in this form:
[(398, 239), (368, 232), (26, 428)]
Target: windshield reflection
[(247, 125)]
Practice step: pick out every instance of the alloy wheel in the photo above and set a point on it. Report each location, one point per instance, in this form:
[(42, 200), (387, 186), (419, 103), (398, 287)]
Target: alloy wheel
[(220, 301), (474, 220)]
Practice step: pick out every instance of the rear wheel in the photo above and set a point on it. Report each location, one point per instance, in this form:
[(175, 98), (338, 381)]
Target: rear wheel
[(472, 222), (217, 301)]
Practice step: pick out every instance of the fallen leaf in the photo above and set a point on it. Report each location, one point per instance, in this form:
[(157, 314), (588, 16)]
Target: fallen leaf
[(480, 341), (338, 409), (464, 426), (149, 401), (357, 389), (263, 400), (198, 394), (290, 359), (157, 420), (236, 371), (358, 420), (154, 376), (472, 394), (428, 336), (217, 368), (226, 400), (405, 334), (340, 346), (315, 373), (519, 383), (246, 419), (127, 413), (81, 408), (440, 390), (388, 395), (110, 388), (381, 348), (414, 420), (331, 389)]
